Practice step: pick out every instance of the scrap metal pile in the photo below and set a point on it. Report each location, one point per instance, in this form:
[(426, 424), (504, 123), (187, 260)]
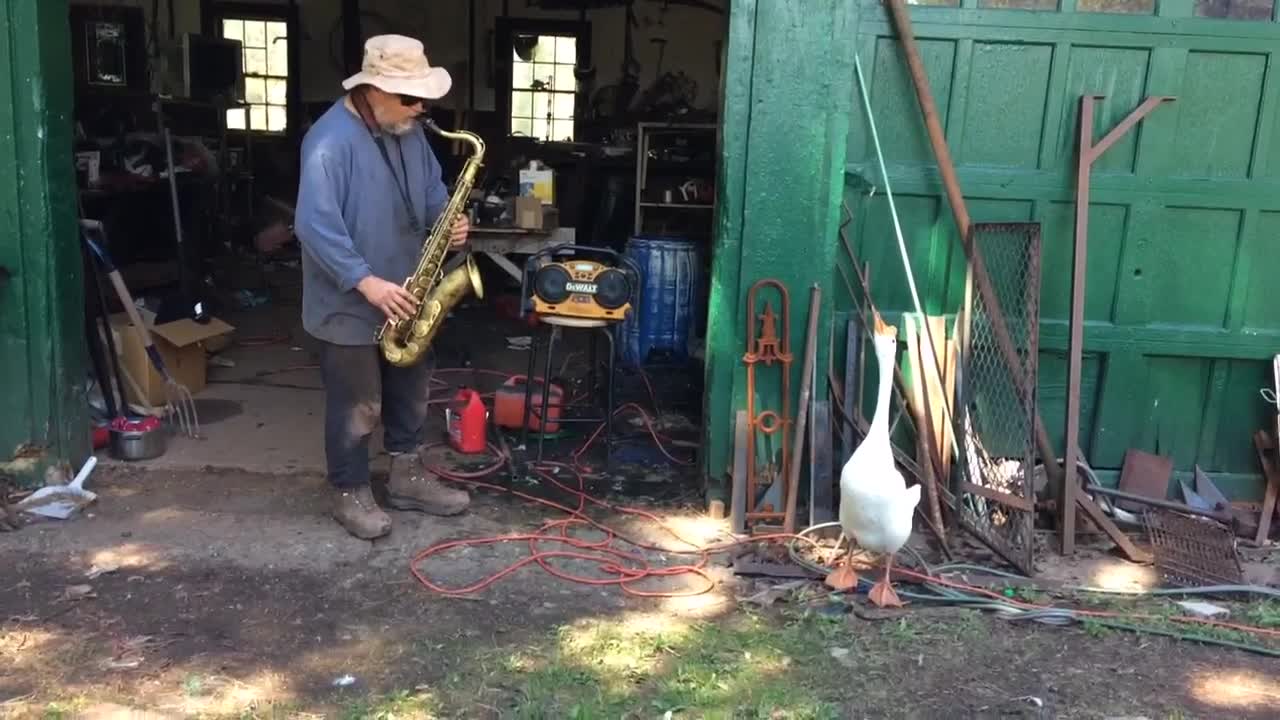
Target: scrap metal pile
[(968, 424)]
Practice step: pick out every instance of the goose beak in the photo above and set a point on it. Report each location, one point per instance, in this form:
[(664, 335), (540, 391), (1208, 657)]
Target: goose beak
[(883, 329)]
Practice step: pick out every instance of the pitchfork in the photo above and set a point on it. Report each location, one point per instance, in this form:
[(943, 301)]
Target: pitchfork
[(178, 401)]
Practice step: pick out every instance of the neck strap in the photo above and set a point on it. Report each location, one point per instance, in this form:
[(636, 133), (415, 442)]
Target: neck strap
[(360, 100), (361, 103)]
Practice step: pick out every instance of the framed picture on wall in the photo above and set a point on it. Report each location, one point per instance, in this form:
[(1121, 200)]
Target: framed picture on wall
[(108, 49)]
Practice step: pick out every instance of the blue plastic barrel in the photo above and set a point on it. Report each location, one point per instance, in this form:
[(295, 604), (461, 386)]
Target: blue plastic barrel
[(664, 319)]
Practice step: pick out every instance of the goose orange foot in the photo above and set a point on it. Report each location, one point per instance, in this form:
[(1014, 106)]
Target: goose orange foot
[(842, 578), (882, 593)]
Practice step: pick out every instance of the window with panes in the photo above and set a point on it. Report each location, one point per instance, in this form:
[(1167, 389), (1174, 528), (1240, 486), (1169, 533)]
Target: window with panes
[(543, 89), (265, 44)]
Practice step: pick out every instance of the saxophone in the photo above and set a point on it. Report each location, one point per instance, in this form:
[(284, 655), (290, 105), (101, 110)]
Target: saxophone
[(403, 343)]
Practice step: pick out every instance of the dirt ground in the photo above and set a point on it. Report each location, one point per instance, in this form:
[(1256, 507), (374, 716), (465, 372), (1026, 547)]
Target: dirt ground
[(233, 595)]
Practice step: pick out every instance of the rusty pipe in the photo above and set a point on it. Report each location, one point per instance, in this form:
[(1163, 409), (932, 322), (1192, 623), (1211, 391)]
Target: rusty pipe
[(802, 409), (902, 22), (1219, 514)]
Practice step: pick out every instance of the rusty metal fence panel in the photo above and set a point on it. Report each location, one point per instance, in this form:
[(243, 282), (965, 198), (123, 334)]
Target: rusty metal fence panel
[(995, 497)]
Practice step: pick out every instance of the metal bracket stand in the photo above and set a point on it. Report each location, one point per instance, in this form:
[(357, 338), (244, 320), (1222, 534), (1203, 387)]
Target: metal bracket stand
[(1071, 495)]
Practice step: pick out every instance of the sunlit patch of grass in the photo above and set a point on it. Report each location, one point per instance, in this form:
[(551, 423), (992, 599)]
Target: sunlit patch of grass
[(744, 667), (403, 705), (754, 667), (61, 709)]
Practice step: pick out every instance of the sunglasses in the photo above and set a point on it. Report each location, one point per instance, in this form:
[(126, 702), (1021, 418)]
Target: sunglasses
[(410, 101)]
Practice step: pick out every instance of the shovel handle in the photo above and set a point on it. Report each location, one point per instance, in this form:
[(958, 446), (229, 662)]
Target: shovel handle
[(122, 292), (136, 319)]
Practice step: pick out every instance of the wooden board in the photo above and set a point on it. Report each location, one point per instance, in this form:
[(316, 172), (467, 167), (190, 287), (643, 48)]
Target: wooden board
[(1272, 473)]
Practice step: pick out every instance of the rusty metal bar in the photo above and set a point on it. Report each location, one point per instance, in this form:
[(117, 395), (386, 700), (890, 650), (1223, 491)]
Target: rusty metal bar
[(1222, 516), (1013, 501), (1121, 540), (1262, 443), (902, 22), (1133, 118), (802, 409), (1088, 153), (1075, 324), (955, 199)]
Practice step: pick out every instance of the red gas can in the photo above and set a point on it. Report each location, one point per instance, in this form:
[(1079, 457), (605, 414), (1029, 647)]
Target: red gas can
[(466, 419), (509, 409)]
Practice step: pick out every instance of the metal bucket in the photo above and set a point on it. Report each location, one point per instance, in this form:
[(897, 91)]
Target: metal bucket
[(137, 444)]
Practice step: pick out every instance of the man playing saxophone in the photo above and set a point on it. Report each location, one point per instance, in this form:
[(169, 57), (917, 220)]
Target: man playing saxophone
[(370, 190)]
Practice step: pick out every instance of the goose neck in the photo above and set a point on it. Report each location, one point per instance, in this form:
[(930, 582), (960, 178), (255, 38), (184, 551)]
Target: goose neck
[(884, 363)]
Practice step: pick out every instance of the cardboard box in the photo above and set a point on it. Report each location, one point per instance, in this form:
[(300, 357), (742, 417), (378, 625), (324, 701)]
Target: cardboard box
[(182, 345), (540, 184)]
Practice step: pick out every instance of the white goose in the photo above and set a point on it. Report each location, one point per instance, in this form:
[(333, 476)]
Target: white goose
[(876, 506)]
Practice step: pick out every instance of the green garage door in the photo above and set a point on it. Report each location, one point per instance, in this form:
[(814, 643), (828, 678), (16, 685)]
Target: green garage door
[(1183, 307), (42, 364)]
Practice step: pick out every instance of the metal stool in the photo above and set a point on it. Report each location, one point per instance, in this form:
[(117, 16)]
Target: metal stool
[(558, 324)]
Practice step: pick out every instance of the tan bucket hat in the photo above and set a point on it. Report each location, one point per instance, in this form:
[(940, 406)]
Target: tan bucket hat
[(398, 64)]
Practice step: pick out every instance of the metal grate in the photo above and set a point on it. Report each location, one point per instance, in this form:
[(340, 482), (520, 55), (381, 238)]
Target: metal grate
[(1191, 551), (998, 403)]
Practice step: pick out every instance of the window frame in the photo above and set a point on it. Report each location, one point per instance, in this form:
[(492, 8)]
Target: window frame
[(505, 28), (211, 24)]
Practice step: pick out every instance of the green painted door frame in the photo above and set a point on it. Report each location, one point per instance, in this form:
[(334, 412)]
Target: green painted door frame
[(1181, 306), (42, 361), (785, 122)]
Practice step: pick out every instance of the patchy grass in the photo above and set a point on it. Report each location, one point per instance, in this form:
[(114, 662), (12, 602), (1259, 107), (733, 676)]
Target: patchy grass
[(745, 666), (403, 705), (1264, 614)]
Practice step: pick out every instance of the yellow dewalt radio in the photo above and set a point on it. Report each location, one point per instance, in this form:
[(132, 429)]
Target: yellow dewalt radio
[(577, 287)]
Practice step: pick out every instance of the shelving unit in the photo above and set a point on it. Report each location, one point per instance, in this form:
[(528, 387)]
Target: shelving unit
[(651, 198)]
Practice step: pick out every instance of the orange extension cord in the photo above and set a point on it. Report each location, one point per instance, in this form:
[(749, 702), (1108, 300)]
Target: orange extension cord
[(619, 567), (627, 569)]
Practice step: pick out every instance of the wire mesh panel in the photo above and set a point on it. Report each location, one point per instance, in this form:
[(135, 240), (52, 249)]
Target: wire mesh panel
[(1191, 551), (995, 500)]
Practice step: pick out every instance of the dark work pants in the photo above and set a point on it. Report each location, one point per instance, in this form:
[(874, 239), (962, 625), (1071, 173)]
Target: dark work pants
[(362, 388)]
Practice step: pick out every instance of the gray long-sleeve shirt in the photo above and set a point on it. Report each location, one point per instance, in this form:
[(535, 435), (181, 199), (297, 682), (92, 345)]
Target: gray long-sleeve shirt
[(351, 221)]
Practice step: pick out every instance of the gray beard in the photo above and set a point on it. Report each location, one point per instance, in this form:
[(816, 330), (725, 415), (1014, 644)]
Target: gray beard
[(401, 129)]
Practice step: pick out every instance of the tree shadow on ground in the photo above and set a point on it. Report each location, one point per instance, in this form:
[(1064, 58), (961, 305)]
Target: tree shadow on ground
[(225, 642), (235, 597)]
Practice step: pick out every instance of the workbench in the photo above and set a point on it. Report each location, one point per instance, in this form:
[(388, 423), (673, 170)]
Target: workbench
[(501, 243)]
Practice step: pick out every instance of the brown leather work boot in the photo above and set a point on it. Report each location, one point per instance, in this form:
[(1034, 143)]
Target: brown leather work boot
[(412, 487), (356, 510)]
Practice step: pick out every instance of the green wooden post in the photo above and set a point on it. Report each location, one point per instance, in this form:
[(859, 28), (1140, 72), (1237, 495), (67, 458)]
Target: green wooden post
[(785, 120), (41, 307)]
